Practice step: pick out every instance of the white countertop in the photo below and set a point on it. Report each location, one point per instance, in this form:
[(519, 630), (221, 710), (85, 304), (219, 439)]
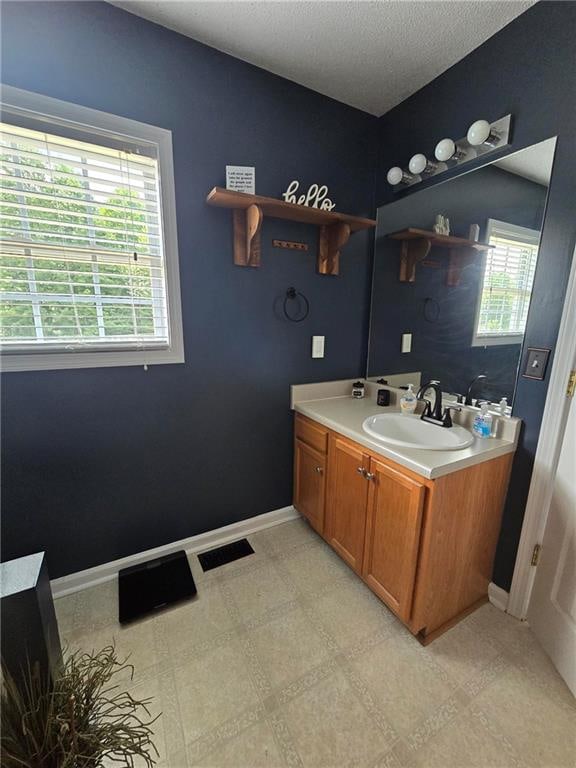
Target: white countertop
[(346, 415)]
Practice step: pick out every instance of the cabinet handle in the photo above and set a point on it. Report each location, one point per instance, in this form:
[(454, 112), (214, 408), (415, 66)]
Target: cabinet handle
[(319, 470), (361, 471), (370, 475)]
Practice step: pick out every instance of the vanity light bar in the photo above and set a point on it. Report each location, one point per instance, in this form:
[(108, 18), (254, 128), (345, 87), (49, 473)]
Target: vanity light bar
[(482, 138)]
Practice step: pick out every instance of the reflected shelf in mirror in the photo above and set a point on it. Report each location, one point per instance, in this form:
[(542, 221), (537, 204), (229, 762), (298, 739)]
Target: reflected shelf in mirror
[(416, 245)]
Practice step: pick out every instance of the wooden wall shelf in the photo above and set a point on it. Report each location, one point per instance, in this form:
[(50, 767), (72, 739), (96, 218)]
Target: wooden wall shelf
[(249, 212), (416, 244)]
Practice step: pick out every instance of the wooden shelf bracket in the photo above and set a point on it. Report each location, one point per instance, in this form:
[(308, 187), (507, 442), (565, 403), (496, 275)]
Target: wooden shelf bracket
[(333, 237), (458, 258), (247, 228), (412, 253)]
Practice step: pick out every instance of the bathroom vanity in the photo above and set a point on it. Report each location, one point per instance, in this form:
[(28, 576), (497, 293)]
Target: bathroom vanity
[(415, 509), (420, 527)]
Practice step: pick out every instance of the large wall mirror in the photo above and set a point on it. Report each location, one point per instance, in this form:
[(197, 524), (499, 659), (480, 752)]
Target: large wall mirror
[(465, 308)]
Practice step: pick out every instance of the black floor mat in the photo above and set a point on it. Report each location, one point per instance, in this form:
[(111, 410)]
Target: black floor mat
[(226, 554), (148, 586)]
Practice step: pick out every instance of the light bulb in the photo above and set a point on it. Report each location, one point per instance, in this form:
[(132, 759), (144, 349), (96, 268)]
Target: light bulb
[(478, 132), (395, 175), (417, 164), (445, 149)]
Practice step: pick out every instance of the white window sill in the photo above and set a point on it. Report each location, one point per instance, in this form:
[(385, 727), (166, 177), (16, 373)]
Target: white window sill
[(491, 341), (11, 363)]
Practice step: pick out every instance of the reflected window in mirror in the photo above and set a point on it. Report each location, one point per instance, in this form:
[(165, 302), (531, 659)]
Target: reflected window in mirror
[(508, 276)]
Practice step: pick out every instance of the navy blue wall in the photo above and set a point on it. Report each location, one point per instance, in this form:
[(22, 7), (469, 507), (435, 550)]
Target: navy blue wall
[(104, 462), (442, 329), (101, 463), (527, 69)]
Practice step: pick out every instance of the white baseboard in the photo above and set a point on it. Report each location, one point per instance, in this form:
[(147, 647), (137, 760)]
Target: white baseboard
[(91, 577), (498, 596)]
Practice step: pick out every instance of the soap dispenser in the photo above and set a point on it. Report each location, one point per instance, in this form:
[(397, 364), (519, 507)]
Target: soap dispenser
[(408, 401), (483, 422)]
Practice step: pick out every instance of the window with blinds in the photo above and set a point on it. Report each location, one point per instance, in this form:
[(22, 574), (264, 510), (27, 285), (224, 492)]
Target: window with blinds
[(507, 283), (81, 246)]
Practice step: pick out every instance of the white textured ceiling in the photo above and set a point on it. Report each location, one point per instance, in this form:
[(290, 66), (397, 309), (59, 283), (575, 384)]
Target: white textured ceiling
[(371, 55)]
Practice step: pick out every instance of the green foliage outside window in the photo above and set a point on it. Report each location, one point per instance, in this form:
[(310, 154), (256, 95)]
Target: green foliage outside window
[(66, 283), (498, 301), (506, 294)]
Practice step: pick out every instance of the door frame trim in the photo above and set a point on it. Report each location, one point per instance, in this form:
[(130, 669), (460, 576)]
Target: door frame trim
[(547, 454)]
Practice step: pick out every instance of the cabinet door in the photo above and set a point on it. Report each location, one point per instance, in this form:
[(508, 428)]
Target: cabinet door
[(392, 536), (309, 484), (346, 500)]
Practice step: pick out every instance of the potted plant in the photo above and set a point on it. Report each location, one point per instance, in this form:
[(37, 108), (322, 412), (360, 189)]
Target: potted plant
[(76, 720)]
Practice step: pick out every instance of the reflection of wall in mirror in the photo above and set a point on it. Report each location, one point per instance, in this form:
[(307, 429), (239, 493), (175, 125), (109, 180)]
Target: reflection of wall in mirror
[(442, 341)]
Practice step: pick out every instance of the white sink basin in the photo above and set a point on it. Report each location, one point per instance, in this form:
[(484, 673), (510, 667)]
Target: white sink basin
[(409, 431)]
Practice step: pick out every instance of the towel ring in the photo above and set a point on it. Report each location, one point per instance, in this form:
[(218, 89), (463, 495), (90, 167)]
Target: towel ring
[(293, 294), (431, 310)]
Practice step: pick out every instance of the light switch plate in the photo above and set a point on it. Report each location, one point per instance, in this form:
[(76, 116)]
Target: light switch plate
[(406, 342), (536, 362), (318, 346)]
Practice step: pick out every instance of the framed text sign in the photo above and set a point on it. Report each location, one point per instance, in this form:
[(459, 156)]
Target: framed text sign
[(241, 178)]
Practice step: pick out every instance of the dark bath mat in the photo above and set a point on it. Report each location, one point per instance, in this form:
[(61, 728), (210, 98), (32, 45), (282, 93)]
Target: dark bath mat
[(157, 583), (226, 554)]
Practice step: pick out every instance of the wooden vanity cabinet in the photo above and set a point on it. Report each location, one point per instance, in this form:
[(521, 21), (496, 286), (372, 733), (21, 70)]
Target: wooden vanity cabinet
[(310, 448), (309, 484), (425, 547), (347, 497), (394, 521)]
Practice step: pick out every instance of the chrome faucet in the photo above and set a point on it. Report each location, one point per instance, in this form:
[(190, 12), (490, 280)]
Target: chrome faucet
[(435, 414), (469, 400)]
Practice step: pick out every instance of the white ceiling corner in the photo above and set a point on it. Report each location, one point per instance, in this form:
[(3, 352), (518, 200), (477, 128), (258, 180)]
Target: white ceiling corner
[(370, 55)]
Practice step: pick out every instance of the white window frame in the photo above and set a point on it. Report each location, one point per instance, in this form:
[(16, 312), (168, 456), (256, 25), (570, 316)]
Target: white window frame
[(485, 340), (34, 105)]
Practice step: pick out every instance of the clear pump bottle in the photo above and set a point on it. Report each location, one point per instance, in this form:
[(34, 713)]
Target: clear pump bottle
[(483, 422), (408, 401)]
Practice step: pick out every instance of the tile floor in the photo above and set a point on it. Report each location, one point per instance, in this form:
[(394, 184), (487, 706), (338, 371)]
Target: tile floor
[(286, 659)]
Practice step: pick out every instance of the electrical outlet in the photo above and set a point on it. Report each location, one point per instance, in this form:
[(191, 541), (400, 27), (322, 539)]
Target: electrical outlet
[(406, 342), (318, 346)]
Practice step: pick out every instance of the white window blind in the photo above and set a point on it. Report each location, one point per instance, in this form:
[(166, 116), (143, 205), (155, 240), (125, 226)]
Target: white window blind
[(507, 284), (81, 246)]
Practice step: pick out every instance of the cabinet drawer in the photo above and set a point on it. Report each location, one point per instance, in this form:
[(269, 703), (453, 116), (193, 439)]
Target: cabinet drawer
[(312, 434)]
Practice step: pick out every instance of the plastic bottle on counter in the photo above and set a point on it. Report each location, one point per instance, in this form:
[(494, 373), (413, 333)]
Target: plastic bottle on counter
[(408, 401), (483, 422)]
